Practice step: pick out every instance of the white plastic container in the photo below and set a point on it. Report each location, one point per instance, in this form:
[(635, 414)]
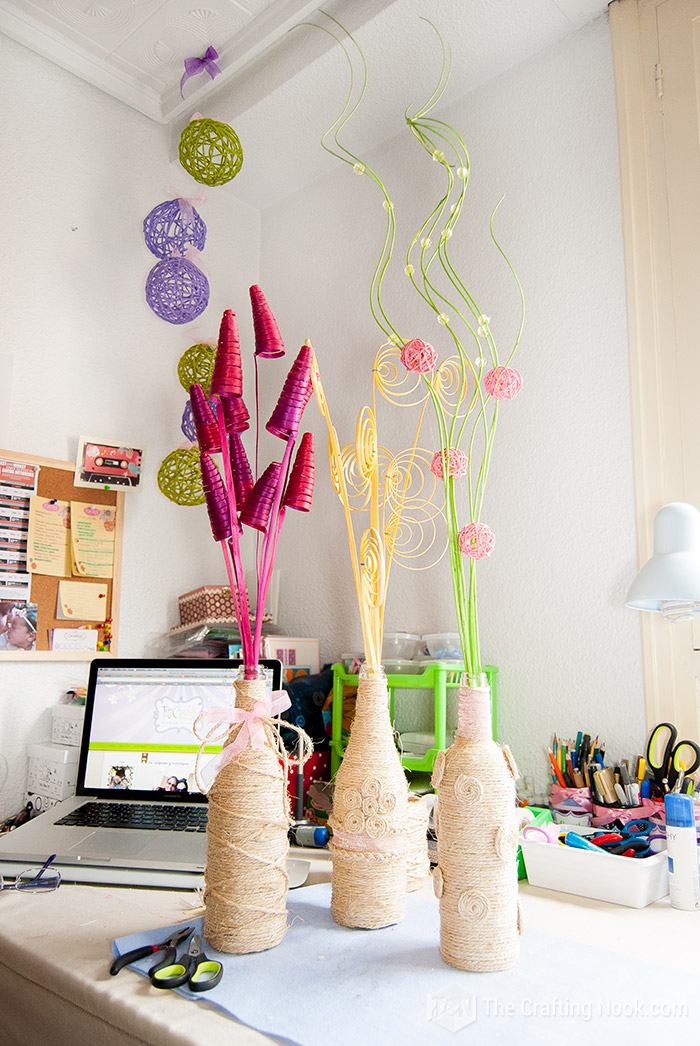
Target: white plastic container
[(52, 770), (443, 646), (67, 724), (634, 882), (399, 645)]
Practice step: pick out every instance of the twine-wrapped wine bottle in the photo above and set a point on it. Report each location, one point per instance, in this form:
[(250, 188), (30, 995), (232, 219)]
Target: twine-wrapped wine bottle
[(247, 845), (476, 878), (369, 820)]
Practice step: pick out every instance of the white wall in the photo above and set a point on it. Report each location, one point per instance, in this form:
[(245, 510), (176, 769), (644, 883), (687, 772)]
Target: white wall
[(79, 173), (560, 493), (89, 356)]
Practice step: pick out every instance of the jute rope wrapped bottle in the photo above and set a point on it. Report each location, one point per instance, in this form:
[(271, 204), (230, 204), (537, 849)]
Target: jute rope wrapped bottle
[(477, 840), (418, 860), (370, 800), (245, 878)]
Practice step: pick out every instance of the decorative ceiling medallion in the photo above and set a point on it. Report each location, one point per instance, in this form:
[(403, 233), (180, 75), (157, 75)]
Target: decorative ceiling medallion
[(115, 14)]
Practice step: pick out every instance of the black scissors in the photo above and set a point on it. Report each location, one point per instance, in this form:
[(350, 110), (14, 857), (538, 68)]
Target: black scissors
[(169, 944), (666, 759), (194, 969)]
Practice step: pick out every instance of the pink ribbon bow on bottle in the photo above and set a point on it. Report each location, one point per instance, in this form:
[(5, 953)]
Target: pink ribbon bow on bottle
[(195, 65), (252, 730)]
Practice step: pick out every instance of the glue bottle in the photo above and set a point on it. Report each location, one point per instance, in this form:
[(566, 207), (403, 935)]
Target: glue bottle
[(682, 847)]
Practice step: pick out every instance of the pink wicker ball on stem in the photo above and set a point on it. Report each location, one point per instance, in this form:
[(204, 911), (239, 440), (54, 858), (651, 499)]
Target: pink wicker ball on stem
[(503, 383), (418, 356), (476, 540), (457, 463)]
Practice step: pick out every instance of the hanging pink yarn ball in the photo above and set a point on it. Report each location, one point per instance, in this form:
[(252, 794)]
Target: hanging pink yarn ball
[(503, 383), (476, 540), (457, 463), (417, 355)]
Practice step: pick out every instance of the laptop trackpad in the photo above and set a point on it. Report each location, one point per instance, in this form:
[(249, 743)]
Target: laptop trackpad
[(102, 844)]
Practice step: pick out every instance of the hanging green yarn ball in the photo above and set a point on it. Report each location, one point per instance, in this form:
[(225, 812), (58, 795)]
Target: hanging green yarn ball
[(210, 151), (196, 367), (180, 477)]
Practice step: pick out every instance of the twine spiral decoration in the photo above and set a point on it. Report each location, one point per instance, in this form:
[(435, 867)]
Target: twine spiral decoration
[(180, 477), (210, 151), (168, 228), (396, 384), (372, 568), (473, 904), (177, 291), (449, 384), (196, 366), (366, 442)]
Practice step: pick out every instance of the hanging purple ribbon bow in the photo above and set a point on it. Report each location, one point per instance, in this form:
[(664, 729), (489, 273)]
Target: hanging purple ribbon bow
[(193, 66)]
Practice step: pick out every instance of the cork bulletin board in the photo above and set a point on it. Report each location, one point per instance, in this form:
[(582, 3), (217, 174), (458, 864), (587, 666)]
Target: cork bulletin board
[(55, 481)]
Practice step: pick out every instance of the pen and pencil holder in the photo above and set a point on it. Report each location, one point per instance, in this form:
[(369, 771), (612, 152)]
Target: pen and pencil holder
[(581, 796)]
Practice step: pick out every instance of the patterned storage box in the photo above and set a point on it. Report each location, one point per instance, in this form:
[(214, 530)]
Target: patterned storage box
[(212, 603)]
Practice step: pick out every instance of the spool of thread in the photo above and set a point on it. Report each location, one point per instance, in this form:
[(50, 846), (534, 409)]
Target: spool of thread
[(309, 835)]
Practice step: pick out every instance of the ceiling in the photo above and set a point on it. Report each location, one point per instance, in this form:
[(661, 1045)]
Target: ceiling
[(281, 88)]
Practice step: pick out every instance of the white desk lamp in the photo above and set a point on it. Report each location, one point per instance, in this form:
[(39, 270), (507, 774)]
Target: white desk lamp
[(669, 583)]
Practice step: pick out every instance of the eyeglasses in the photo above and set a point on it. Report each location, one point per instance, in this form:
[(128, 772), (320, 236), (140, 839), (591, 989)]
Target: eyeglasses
[(35, 880)]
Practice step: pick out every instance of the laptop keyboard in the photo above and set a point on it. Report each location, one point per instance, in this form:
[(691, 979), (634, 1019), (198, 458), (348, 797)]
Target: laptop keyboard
[(166, 817)]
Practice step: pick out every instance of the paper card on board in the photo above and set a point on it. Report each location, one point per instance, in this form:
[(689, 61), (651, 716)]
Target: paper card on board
[(73, 640), (81, 601), (92, 534), (48, 538)]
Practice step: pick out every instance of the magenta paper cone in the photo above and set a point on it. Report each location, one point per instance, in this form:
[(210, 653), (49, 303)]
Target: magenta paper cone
[(294, 396), (258, 504), (236, 416), (217, 502), (204, 421), (227, 379), (300, 488), (268, 340), (242, 476)]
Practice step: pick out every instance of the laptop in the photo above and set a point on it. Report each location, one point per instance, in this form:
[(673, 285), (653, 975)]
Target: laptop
[(137, 816)]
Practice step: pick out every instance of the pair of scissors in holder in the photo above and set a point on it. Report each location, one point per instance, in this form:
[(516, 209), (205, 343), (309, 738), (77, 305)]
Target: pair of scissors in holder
[(667, 759), (169, 945), (194, 969)]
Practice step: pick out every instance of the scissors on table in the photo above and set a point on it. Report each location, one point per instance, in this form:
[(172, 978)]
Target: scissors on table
[(194, 969), (668, 759), (169, 944)]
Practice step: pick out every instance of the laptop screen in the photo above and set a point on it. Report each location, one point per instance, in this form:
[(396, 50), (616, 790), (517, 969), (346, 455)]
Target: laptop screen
[(138, 740)]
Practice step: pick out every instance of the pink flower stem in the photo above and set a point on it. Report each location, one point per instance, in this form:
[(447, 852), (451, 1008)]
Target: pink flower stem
[(242, 611), (270, 544)]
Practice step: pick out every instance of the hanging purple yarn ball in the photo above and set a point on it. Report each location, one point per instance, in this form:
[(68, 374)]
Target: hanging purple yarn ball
[(188, 428), (173, 226), (177, 290)]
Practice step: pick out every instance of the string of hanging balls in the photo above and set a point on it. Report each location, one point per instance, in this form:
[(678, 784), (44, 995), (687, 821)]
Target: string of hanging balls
[(177, 290), (179, 475)]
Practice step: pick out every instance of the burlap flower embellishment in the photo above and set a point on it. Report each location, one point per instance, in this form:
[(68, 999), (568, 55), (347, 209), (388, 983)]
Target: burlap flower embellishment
[(438, 883), (438, 769), (469, 789), (375, 827), (473, 904), (350, 798), (354, 821), (510, 762), (506, 842), (387, 803), (371, 786), (370, 806)]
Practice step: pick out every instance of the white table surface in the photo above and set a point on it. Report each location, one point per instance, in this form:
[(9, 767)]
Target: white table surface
[(55, 953)]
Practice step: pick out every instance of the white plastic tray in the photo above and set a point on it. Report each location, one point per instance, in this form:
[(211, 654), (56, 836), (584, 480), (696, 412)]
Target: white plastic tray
[(634, 882)]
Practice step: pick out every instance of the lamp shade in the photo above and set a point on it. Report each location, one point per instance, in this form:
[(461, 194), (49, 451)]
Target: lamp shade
[(669, 583)]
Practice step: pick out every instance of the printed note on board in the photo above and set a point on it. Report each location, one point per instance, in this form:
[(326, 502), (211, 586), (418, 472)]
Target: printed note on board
[(92, 533), (48, 539), (81, 601)]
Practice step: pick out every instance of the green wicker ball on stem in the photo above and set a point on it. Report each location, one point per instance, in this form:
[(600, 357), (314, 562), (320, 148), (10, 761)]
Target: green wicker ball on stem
[(210, 151)]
